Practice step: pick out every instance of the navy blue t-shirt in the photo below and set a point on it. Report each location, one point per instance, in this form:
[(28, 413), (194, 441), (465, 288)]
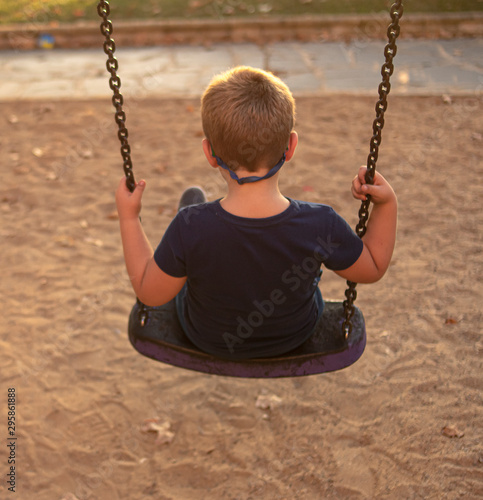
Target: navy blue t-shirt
[(251, 282)]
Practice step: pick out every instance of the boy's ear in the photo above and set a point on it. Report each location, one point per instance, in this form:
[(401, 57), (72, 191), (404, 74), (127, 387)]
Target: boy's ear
[(292, 144), (208, 150)]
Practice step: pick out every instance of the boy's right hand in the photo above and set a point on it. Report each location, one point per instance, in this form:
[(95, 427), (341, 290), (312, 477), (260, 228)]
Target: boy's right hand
[(381, 191), (380, 235)]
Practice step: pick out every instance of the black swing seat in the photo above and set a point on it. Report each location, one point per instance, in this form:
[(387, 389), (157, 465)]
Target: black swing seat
[(156, 333)]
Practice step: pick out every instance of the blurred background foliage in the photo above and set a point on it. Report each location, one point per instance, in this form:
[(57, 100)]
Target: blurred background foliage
[(56, 11)]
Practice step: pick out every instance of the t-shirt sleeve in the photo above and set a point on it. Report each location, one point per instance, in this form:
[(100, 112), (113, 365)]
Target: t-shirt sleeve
[(170, 253), (342, 247)]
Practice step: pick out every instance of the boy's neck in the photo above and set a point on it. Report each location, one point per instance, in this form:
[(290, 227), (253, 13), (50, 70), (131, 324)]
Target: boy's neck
[(256, 200)]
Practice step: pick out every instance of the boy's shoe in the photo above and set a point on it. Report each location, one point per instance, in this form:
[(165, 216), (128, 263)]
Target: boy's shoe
[(192, 196)]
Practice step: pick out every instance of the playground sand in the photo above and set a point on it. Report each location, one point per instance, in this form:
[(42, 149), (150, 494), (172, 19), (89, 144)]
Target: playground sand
[(403, 422)]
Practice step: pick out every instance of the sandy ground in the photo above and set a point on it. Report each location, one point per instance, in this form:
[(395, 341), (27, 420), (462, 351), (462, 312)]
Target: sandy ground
[(380, 429)]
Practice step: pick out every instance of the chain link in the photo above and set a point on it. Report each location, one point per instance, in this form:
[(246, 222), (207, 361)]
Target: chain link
[(115, 84), (381, 106)]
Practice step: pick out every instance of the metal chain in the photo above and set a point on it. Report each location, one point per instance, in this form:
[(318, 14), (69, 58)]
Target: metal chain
[(117, 99), (381, 106)]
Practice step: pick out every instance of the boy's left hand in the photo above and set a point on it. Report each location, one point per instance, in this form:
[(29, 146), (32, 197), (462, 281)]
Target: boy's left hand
[(129, 204)]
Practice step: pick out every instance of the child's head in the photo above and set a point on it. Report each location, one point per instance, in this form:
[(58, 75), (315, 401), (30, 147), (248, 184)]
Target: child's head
[(248, 115)]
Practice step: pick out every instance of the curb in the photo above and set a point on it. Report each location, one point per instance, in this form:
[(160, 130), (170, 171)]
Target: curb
[(257, 30)]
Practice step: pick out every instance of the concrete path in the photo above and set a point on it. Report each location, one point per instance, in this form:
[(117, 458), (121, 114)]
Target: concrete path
[(423, 67)]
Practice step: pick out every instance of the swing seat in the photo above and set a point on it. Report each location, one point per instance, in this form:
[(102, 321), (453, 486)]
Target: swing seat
[(156, 333)]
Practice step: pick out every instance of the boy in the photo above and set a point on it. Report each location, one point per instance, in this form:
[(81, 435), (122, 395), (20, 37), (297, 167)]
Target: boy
[(245, 269)]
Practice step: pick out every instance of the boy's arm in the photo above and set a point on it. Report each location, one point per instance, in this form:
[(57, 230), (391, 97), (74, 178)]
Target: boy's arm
[(152, 286), (380, 236)]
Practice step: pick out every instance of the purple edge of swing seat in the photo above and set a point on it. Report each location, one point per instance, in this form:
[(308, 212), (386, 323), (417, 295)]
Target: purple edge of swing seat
[(168, 344)]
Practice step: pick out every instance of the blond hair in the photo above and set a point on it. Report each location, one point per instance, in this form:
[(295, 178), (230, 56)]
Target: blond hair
[(247, 116)]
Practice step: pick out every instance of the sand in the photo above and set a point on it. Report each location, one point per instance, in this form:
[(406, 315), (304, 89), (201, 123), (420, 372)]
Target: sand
[(404, 422)]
